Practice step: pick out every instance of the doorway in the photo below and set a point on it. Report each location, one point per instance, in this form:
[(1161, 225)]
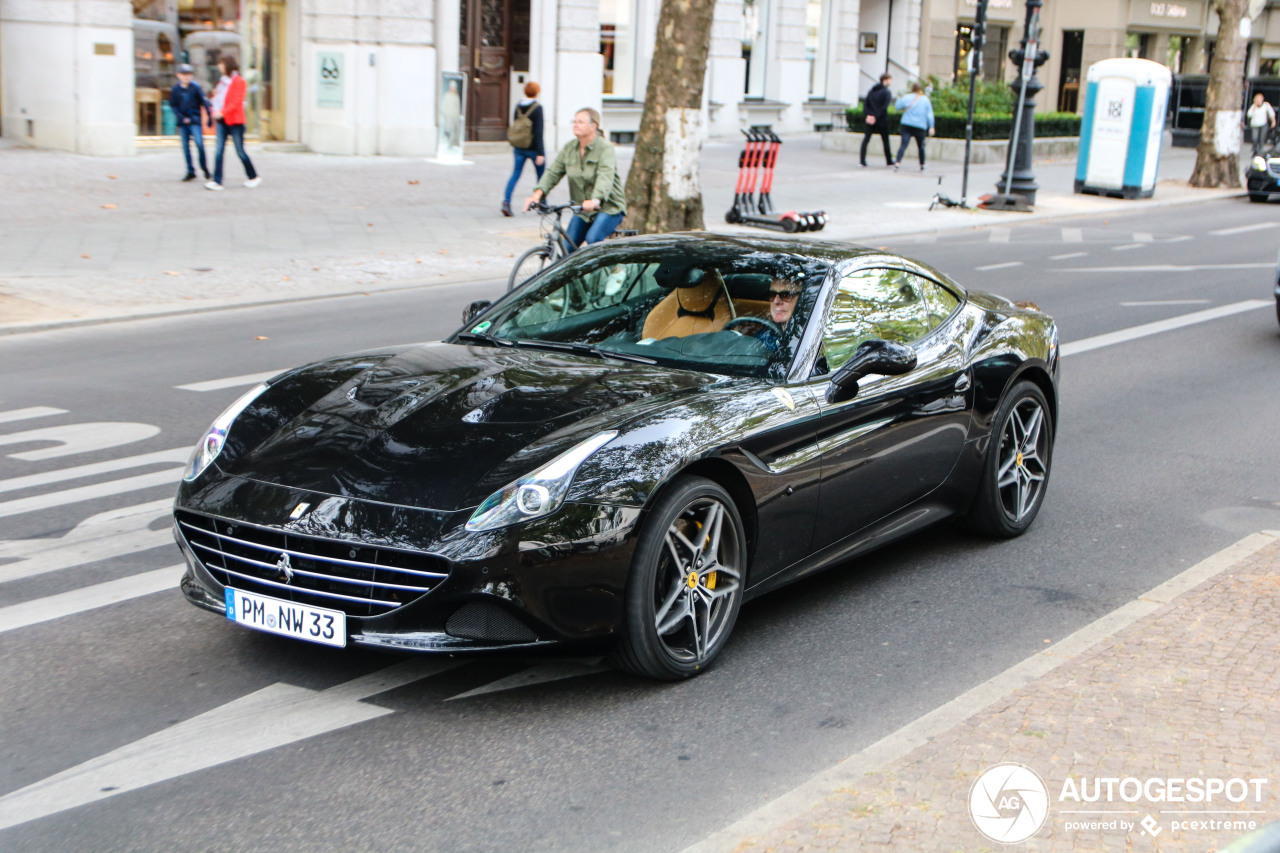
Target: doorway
[(1069, 71), (485, 57)]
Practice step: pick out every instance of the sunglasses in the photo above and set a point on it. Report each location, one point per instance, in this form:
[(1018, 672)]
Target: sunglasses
[(784, 295)]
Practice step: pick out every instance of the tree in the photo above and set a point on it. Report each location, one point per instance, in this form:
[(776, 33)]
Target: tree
[(663, 189), (1217, 163)]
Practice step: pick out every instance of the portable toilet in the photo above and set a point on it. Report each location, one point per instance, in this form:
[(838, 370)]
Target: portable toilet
[(1124, 109)]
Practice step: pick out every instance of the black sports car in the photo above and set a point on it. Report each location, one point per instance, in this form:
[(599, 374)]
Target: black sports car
[(621, 451)]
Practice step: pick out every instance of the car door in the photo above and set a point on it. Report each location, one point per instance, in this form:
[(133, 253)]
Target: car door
[(899, 437)]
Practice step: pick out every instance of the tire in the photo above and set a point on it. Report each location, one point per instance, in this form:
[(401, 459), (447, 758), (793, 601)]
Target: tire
[(1015, 473), (1258, 197), (530, 264), (790, 225), (685, 588), (733, 217)]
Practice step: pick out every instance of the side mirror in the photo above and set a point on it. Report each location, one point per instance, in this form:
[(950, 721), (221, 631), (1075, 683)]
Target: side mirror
[(475, 309), (874, 357)]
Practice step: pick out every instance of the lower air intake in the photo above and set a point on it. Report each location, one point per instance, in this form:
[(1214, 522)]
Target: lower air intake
[(488, 623)]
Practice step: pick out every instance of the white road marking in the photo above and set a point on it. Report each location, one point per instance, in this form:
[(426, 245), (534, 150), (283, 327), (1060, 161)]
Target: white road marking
[(266, 719), (88, 598), (78, 438), (1180, 239), (1135, 332), (230, 382), (29, 412), (1067, 255), (1073, 235), (114, 533), (1142, 237), (1127, 246), (86, 493), (1166, 302), (554, 671), (1243, 229), (1005, 265), (1000, 235), (1170, 268), (31, 481)]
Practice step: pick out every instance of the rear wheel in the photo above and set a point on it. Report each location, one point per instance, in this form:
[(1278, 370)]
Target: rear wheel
[(530, 264), (1016, 470), (1257, 197), (686, 583)]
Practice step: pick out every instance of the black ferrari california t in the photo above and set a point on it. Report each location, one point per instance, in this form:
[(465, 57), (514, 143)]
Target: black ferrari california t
[(620, 452)]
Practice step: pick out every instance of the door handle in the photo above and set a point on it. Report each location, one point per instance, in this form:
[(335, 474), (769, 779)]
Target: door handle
[(963, 383)]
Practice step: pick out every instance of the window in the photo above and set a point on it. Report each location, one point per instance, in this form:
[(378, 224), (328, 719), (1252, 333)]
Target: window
[(618, 47), (817, 25), (1137, 45), (755, 28), (876, 303), (1177, 54), (942, 302), (993, 52)]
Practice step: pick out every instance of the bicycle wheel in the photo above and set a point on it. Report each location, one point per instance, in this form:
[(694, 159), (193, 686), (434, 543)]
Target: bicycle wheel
[(530, 264)]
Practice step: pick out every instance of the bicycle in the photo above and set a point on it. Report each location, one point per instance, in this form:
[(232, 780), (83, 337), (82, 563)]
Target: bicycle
[(555, 246)]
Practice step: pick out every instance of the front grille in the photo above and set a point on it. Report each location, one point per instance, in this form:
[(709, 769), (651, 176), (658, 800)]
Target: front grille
[(360, 580)]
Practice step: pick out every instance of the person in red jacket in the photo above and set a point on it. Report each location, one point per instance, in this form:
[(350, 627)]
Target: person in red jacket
[(228, 112)]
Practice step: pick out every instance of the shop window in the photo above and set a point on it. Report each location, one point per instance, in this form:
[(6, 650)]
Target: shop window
[(618, 47), (755, 28), (1137, 45), (1269, 67), (816, 41), (1179, 47), (993, 53)]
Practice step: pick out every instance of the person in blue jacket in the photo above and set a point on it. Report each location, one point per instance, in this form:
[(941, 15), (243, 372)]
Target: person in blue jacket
[(187, 99), (916, 122)]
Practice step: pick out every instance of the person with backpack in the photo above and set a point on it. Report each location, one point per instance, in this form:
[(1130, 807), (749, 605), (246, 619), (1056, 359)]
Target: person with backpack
[(525, 136)]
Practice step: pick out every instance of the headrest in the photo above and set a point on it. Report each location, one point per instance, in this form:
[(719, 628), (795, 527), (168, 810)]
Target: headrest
[(673, 275), (749, 285)]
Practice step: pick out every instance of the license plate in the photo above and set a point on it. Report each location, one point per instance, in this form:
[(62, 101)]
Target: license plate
[(287, 618)]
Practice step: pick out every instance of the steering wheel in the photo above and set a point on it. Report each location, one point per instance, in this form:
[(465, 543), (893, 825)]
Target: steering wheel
[(762, 322)]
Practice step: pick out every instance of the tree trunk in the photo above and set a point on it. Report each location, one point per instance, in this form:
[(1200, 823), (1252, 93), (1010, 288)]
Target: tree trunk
[(663, 190), (1217, 158)]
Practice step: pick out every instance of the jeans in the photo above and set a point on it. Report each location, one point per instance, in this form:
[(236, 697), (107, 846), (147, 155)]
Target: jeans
[(1260, 137), (236, 132), (521, 155), (883, 133), (909, 133), (188, 132), (596, 230)]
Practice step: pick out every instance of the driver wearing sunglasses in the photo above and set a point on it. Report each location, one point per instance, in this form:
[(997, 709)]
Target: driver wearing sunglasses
[(782, 301)]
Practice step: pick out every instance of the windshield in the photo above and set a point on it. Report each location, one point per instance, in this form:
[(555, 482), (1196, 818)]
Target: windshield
[(717, 308)]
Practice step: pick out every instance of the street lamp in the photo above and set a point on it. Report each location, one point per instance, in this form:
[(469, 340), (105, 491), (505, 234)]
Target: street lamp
[(1017, 177)]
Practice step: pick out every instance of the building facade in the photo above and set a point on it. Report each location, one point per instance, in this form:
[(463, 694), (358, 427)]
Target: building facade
[(394, 77)]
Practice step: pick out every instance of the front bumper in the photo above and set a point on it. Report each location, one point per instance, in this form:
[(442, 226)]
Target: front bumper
[(556, 581)]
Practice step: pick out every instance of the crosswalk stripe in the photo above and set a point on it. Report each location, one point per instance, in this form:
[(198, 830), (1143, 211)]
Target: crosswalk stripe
[(29, 412), (554, 671), (1000, 235), (1073, 235), (85, 493), (77, 438), (115, 533), (229, 382), (88, 598), (31, 481)]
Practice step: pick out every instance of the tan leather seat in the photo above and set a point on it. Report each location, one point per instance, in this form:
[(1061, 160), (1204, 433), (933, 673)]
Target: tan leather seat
[(689, 310)]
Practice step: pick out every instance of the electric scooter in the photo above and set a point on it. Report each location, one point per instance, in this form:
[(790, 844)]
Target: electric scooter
[(756, 164)]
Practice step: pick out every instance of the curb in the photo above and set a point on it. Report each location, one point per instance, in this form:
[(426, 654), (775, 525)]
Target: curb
[(850, 771)]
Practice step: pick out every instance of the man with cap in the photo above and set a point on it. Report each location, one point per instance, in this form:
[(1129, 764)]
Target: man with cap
[(187, 99)]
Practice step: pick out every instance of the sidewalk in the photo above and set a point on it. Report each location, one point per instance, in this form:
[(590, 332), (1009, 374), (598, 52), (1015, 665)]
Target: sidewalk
[(93, 238), (1182, 684)]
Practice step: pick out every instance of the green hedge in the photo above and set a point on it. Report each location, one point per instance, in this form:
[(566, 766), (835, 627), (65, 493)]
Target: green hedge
[(951, 125)]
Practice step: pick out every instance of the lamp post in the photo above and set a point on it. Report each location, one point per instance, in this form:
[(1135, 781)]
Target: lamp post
[(1017, 177)]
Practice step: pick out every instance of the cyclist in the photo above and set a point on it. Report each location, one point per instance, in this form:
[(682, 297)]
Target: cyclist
[(591, 165)]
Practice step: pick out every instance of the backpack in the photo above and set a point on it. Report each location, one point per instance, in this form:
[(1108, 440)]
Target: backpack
[(520, 133)]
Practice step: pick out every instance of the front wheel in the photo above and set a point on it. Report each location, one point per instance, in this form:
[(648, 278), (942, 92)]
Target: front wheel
[(530, 264), (1016, 470), (686, 583), (1258, 197)]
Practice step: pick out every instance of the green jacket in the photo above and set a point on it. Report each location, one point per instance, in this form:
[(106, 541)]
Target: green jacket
[(594, 175)]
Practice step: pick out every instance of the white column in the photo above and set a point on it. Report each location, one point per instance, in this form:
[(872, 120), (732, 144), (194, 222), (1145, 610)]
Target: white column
[(579, 66), (726, 70), (787, 73), (844, 61)]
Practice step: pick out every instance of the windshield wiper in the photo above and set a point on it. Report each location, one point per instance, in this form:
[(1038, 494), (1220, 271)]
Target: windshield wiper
[(484, 338), (584, 349)]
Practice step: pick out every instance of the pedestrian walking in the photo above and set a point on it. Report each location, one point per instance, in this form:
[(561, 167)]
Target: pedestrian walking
[(875, 110), (916, 122), (525, 136), (1261, 118), (228, 111), (188, 103), (592, 167)]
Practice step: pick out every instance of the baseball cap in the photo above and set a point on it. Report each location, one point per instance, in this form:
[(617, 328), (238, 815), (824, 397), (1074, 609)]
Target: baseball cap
[(184, 68)]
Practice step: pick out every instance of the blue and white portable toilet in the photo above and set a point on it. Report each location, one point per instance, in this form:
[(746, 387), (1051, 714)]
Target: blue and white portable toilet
[(1124, 109)]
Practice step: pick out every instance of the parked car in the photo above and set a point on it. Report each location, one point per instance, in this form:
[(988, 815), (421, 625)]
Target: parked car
[(618, 453), (1262, 178)]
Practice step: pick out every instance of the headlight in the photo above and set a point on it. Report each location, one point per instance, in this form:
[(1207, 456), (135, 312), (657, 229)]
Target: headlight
[(537, 494), (1260, 164), (211, 445)]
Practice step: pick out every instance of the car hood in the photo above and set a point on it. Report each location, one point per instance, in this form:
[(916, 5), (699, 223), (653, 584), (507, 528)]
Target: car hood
[(436, 426)]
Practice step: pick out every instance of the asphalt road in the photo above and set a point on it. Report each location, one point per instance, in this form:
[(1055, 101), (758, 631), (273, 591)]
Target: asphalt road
[(149, 725)]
